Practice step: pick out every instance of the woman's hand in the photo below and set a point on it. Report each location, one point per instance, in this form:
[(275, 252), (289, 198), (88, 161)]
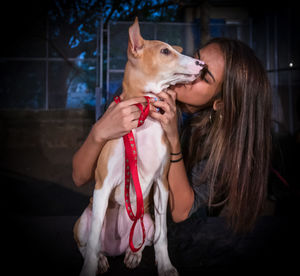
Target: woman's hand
[(118, 120), (167, 118)]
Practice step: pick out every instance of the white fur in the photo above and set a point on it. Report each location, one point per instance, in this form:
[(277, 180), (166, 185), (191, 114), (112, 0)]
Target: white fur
[(185, 62), (155, 87)]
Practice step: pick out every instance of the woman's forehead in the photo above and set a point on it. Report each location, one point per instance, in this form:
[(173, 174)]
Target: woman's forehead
[(213, 57), (211, 53)]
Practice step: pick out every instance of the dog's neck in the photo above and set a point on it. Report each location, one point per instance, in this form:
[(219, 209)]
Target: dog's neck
[(133, 83)]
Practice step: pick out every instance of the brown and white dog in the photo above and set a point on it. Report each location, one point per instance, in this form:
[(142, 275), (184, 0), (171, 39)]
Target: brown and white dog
[(104, 227)]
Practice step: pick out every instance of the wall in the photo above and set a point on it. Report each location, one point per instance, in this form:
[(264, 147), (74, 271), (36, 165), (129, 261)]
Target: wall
[(40, 144)]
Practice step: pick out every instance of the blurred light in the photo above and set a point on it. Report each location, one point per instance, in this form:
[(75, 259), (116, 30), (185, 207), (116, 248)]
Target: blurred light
[(291, 64)]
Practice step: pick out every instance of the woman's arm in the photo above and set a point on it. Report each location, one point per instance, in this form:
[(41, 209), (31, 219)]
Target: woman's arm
[(181, 193), (85, 159), (118, 120)]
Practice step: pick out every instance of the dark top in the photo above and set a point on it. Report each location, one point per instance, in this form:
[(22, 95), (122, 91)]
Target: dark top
[(201, 191)]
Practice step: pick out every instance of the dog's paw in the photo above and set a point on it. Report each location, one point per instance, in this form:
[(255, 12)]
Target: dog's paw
[(171, 271), (89, 268), (132, 259), (103, 265)]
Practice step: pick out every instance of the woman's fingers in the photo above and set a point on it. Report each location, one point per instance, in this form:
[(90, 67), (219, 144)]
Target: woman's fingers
[(156, 115), (130, 112), (165, 106), (168, 95), (168, 118), (173, 94)]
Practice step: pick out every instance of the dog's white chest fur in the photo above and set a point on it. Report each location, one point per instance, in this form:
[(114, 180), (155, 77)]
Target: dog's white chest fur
[(151, 154)]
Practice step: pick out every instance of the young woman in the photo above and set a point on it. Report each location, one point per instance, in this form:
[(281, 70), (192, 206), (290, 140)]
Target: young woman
[(225, 140), (218, 128)]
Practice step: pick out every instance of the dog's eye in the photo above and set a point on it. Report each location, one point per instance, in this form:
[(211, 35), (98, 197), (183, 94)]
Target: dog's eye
[(165, 51)]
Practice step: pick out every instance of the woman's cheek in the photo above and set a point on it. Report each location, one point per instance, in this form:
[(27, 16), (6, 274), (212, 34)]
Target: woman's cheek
[(182, 91)]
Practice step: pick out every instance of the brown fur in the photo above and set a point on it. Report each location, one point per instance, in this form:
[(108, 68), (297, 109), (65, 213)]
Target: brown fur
[(102, 170)]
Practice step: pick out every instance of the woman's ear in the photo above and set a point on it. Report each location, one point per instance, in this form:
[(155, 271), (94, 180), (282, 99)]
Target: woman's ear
[(217, 105)]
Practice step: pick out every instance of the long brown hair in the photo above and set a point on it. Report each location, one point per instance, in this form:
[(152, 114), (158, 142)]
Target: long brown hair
[(235, 140)]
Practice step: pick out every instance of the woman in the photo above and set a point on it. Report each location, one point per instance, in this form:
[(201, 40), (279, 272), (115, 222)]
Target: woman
[(227, 137), (224, 137)]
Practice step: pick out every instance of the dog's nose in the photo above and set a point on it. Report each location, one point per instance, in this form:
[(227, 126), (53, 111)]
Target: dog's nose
[(199, 62)]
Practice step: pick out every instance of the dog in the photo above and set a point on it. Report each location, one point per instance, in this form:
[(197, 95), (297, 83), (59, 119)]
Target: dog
[(104, 227)]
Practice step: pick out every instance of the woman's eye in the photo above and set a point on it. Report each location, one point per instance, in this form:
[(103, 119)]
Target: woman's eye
[(165, 51), (203, 74)]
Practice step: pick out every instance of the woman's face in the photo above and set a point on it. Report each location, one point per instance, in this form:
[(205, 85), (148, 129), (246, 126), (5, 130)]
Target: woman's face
[(200, 92)]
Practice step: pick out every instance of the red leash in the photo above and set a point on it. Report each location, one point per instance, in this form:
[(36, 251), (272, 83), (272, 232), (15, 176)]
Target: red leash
[(131, 168)]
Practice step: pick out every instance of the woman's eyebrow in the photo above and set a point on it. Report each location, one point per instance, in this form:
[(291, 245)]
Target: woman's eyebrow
[(206, 68)]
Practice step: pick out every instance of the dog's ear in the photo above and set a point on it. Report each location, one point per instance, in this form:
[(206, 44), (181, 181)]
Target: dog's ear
[(177, 48), (135, 42)]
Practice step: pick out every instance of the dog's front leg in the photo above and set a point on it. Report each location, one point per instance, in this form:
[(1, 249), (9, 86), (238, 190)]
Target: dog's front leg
[(161, 194), (93, 255)]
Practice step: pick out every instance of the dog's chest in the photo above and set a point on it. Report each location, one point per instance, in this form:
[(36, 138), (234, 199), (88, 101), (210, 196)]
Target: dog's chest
[(151, 147), (151, 159)]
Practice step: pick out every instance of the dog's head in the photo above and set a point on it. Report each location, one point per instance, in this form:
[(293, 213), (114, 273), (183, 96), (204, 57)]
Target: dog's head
[(159, 64)]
